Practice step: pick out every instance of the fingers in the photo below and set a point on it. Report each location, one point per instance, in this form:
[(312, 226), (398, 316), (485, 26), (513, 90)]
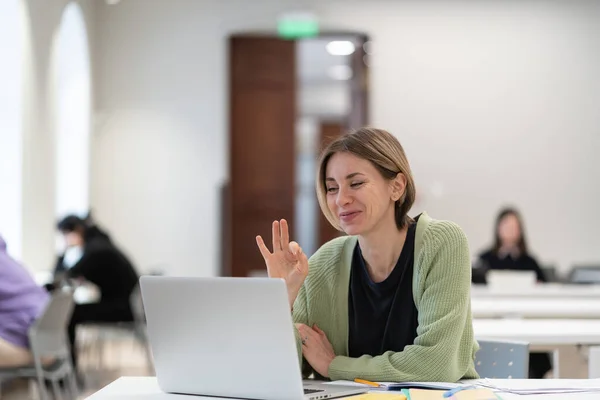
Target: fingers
[(276, 236), (306, 331), (318, 330), (262, 247), (285, 234), (302, 264)]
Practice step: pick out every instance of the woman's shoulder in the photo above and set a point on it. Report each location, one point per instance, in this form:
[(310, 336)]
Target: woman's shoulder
[(436, 232), (331, 251)]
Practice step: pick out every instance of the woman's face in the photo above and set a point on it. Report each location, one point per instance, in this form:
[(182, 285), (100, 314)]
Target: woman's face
[(357, 195), (509, 230), (73, 239)]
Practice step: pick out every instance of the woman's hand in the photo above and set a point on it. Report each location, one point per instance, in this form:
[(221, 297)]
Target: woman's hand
[(316, 348), (287, 260)]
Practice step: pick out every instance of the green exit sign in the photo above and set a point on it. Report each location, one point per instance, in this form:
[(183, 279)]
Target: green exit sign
[(297, 25)]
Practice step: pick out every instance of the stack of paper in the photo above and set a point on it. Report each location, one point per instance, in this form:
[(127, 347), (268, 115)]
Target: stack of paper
[(545, 386)]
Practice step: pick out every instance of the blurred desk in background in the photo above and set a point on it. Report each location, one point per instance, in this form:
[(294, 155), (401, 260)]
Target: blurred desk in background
[(546, 334), (534, 307), (85, 293), (547, 290)]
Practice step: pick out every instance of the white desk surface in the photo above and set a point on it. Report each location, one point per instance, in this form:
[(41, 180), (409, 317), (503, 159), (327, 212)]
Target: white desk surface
[(529, 307), (546, 290), (540, 331), (138, 388)]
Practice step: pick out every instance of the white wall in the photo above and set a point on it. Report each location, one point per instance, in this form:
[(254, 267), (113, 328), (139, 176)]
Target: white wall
[(13, 44), (495, 102), (38, 214)]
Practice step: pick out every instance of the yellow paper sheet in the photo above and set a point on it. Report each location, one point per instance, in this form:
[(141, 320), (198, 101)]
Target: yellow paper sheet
[(378, 396), (471, 394)]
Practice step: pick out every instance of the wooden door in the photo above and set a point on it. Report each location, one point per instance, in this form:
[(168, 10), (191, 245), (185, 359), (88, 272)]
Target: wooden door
[(328, 132), (262, 155)]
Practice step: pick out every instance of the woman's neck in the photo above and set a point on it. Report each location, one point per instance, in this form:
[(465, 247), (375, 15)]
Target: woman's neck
[(509, 249), (381, 249)]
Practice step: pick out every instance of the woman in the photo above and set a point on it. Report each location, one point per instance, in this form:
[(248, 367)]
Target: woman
[(510, 252), (390, 301), (510, 246), (21, 303), (102, 264)]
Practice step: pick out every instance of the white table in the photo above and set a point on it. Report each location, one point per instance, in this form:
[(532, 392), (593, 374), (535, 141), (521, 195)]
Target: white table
[(138, 388), (549, 333), (540, 331), (547, 290), (530, 307)]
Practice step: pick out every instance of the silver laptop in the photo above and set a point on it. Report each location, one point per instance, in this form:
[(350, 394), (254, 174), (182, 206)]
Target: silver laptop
[(227, 337)]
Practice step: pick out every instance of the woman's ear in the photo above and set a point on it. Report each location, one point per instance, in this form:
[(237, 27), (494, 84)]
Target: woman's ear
[(398, 186)]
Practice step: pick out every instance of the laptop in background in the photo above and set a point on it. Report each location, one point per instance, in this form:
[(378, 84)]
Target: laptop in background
[(505, 278), (227, 337)]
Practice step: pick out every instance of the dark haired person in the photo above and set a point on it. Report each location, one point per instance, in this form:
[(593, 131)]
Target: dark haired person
[(510, 252), (100, 262)]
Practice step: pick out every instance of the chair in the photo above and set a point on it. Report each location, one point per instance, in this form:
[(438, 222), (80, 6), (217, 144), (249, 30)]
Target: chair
[(502, 360), (137, 328), (48, 340), (550, 274), (588, 274)]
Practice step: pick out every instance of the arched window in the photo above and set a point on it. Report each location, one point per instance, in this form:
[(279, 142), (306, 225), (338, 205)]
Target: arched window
[(72, 104), (12, 28)]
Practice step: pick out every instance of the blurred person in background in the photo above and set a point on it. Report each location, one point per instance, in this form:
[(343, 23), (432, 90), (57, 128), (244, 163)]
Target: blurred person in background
[(510, 252), (97, 260), (21, 303)]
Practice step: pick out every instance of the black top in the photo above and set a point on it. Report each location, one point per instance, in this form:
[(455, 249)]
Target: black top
[(524, 262), (104, 265), (382, 316)]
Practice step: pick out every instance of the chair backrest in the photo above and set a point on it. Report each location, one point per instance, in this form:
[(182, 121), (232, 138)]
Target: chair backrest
[(502, 360), (48, 334), (550, 274), (585, 274), (137, 305)]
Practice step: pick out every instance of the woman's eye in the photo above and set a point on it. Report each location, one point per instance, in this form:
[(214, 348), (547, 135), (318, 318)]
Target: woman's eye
[(331, 190), (356, 184)]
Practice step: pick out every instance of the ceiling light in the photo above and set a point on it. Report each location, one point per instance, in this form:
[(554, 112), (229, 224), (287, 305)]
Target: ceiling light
[(340, 72), (340, 48)]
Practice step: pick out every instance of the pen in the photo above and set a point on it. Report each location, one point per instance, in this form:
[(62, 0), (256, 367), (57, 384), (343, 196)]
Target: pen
[(457, 389), (365, 382)]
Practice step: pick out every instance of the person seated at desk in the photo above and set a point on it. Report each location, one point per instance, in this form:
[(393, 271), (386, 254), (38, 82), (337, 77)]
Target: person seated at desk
[(390, 301), (102, 264), (21, 302), (510, 252)]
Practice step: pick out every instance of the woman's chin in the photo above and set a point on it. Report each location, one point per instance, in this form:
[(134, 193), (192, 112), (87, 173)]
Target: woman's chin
[(351, 230)]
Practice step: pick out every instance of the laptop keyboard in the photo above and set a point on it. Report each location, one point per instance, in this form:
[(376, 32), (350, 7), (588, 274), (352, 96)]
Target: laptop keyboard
[(311, 391)]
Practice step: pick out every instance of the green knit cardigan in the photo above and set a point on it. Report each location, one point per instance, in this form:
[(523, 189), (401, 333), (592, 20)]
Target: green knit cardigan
[(444, 349)]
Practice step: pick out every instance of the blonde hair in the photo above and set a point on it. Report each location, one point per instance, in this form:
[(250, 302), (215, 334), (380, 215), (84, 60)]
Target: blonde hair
[(385, 152)]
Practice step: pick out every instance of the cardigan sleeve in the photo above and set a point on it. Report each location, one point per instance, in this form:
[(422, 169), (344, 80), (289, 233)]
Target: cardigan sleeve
[(300, 316), (444, 347)]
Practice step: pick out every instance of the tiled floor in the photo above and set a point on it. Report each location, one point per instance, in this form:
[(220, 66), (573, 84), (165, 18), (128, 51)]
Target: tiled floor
[(121, 356)]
